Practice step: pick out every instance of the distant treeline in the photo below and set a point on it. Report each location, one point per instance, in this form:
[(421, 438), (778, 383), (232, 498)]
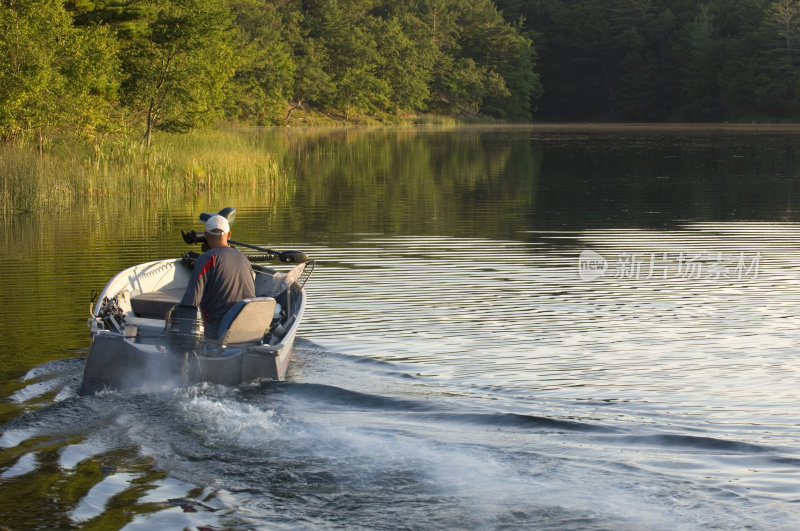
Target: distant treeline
[(100, 65), (664, 60)]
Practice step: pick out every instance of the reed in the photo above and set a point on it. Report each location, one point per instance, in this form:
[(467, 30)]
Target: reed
[(62, 172)]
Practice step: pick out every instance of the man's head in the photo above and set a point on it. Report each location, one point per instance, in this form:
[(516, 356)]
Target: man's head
[(217, 231)]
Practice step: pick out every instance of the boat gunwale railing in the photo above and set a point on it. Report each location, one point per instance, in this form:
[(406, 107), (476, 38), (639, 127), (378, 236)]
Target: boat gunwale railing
[(161, 268)]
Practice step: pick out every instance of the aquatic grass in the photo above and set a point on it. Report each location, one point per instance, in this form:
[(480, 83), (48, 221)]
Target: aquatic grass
[(26, 181), (68, 171)]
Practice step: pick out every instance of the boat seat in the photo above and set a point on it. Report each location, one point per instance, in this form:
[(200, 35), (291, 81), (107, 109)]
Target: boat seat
[(248, 321), (156, 304)]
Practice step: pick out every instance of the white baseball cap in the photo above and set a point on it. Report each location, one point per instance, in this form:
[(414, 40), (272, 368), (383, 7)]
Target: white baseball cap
[(217, 224)]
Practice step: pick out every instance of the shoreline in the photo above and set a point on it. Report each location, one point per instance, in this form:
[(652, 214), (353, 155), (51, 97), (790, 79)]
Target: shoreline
[(71, 169)]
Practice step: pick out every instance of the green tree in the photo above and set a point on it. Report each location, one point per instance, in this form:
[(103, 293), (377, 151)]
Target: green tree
[(347, 30), (407, 60), (176, 71), (482, 64), (738, 43), (779, 79), (312, 80), (700, 89), (576, 58), (506, 56), (265, 62), (53, 74), (641, 32)]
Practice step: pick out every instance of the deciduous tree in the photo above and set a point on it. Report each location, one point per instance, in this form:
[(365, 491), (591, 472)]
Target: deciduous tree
[(176, 71), (263, 83), (52, 74)]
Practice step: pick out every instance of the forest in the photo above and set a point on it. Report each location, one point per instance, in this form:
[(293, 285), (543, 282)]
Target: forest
[(664, 60), (95, 67)]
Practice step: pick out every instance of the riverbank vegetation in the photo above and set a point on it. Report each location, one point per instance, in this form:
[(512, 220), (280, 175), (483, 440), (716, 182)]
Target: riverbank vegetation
[(84, 84), (65, 171)]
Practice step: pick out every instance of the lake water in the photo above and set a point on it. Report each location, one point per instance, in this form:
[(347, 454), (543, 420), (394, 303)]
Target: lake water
[(508, 328)]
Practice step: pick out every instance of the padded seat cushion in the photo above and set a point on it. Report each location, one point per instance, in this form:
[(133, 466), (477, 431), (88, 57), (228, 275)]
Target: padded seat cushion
[(156, 304)]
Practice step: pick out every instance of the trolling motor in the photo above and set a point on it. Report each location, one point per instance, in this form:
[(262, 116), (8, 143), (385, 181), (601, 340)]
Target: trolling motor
[(288, 257)]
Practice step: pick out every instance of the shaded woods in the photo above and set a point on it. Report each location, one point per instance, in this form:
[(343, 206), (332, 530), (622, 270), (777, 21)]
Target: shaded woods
[(664, 60)]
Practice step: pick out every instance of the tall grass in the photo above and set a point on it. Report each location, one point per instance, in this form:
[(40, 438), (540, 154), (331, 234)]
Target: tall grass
[(63, 172)]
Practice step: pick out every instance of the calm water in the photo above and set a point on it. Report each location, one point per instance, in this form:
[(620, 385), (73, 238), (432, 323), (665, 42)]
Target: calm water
[(507, 328)]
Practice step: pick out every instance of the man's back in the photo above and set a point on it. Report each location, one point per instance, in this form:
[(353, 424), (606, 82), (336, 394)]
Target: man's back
[(221, 277)]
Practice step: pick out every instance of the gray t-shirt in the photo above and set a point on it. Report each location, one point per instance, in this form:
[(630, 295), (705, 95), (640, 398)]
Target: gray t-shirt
[(221, 277)]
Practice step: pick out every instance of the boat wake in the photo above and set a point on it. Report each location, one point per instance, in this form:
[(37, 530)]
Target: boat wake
[(332, 447), (52, 381)]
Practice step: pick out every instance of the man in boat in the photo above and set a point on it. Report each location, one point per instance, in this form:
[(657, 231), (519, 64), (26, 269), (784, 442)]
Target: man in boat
[(221, 277)]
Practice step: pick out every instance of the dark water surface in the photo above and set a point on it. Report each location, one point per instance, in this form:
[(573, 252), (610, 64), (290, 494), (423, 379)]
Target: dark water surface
[(547, 328)]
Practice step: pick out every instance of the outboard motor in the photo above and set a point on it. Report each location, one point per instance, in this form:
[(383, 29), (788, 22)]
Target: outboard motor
[(184, 328)]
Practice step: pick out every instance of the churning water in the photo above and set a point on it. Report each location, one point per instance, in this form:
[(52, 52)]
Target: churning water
[(597, 375)]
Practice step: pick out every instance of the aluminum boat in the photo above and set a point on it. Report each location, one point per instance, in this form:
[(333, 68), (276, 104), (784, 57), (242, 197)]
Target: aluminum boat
[(142, 338)]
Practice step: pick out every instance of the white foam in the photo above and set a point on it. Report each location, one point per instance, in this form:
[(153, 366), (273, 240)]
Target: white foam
[(34, 390)]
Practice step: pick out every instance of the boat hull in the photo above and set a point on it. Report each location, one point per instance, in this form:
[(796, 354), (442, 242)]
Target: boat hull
[(115, 362)]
